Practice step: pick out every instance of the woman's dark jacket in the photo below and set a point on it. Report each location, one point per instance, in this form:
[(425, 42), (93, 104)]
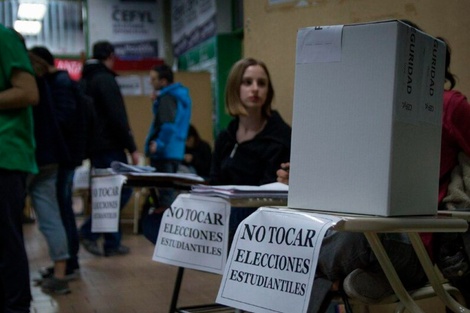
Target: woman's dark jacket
[(253, 162)]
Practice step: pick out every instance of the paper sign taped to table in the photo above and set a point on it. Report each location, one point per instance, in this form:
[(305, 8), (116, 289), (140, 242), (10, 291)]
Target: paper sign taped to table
[(272, 261), (194, 233), (81, 178), (106, 203)]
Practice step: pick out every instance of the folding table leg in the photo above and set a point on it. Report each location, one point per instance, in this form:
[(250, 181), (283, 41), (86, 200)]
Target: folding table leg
[(390, 272), (432, 276), (176, 290)]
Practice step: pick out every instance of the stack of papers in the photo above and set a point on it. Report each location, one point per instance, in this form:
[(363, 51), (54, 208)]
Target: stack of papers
[(273, 190), (175, 176), (122, 168)]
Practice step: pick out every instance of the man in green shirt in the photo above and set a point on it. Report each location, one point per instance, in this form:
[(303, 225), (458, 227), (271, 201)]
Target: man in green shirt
[(18, 91)]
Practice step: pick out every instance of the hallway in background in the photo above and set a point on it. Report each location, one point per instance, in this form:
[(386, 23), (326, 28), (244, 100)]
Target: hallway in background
[(121, 284)]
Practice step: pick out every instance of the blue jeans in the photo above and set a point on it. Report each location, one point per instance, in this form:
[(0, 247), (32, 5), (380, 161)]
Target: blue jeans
[(15, 293), (64, 197), (343, 252), (111, 240), (43, 193)]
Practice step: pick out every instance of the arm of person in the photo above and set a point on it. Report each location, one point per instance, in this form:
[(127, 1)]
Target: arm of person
[(283, 173), (23, 92), (164, 119), (279, 154), (201, 160), (214, 177), (65, 104), (460, 120)]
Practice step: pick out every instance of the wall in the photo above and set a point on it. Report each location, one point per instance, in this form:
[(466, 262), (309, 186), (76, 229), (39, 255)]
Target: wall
[(270, 32), (139, 108)]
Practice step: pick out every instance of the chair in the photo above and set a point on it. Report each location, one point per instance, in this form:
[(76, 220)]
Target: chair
[(425, 292), (450, 295)]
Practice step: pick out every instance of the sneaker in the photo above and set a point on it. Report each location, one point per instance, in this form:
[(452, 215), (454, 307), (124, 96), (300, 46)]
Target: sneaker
[(92, 247), (367, 286), (121, 250), (47, 272), (55, 286)]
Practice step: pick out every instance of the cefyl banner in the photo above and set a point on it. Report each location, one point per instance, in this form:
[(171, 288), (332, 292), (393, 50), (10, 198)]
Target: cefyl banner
[(272, 261), (194, 233)]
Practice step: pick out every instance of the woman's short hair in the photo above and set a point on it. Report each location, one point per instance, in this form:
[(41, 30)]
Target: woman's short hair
[(233, 102)]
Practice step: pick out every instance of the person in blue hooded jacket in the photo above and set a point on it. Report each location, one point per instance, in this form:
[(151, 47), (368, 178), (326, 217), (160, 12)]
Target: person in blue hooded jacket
[(166, 139)]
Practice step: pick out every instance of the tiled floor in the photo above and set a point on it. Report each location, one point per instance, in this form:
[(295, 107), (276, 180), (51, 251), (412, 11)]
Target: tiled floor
[(121, 284)]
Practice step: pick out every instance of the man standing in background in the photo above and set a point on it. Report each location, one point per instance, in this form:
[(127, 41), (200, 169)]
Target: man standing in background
[(18, 91), (165, 142), (112, 133)]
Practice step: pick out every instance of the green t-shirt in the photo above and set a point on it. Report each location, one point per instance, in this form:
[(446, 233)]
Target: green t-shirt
[(17, 143)]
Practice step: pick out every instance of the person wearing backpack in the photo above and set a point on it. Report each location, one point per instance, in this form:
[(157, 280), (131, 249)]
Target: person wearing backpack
[(67, 110), (112, 135), (42, 187)]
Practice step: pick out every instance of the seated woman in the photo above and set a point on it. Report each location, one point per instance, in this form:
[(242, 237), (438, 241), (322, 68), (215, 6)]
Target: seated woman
[(197, 155), (256, 141)]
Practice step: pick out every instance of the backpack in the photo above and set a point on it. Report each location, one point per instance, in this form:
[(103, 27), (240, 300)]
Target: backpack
[(85, 122), (452, 250), (452, 255), (76, 117)]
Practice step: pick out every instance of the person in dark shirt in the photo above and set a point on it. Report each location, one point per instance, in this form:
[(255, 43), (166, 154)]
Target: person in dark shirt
[(197, 155), (256, 141), (113, 136)]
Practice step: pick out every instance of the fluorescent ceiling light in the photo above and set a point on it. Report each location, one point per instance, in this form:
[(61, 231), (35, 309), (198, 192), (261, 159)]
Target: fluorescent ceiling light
[(31, 11), (27, 27)]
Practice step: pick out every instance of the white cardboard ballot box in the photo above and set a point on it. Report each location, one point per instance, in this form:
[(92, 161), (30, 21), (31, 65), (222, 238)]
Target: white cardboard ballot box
[(366, 124)]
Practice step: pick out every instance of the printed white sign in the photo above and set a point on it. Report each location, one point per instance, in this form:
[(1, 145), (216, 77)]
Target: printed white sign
[(194, 233), (105, 203), (81, 178), (134, 28), (272, 261), (319, 44), (192, 22), (130, 85)]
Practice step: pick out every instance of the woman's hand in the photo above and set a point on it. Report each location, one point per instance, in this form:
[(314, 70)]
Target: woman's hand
[(283, 173), (153, 147)]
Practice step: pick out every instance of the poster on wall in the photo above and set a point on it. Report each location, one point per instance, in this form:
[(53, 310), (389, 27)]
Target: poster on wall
[(135, 28), (192, 22)]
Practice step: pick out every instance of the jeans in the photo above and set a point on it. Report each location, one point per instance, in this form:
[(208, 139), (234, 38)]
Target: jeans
[(15, 293), (43, 193), (343, 252), (64, 197), (166, 196), (111, 240)]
